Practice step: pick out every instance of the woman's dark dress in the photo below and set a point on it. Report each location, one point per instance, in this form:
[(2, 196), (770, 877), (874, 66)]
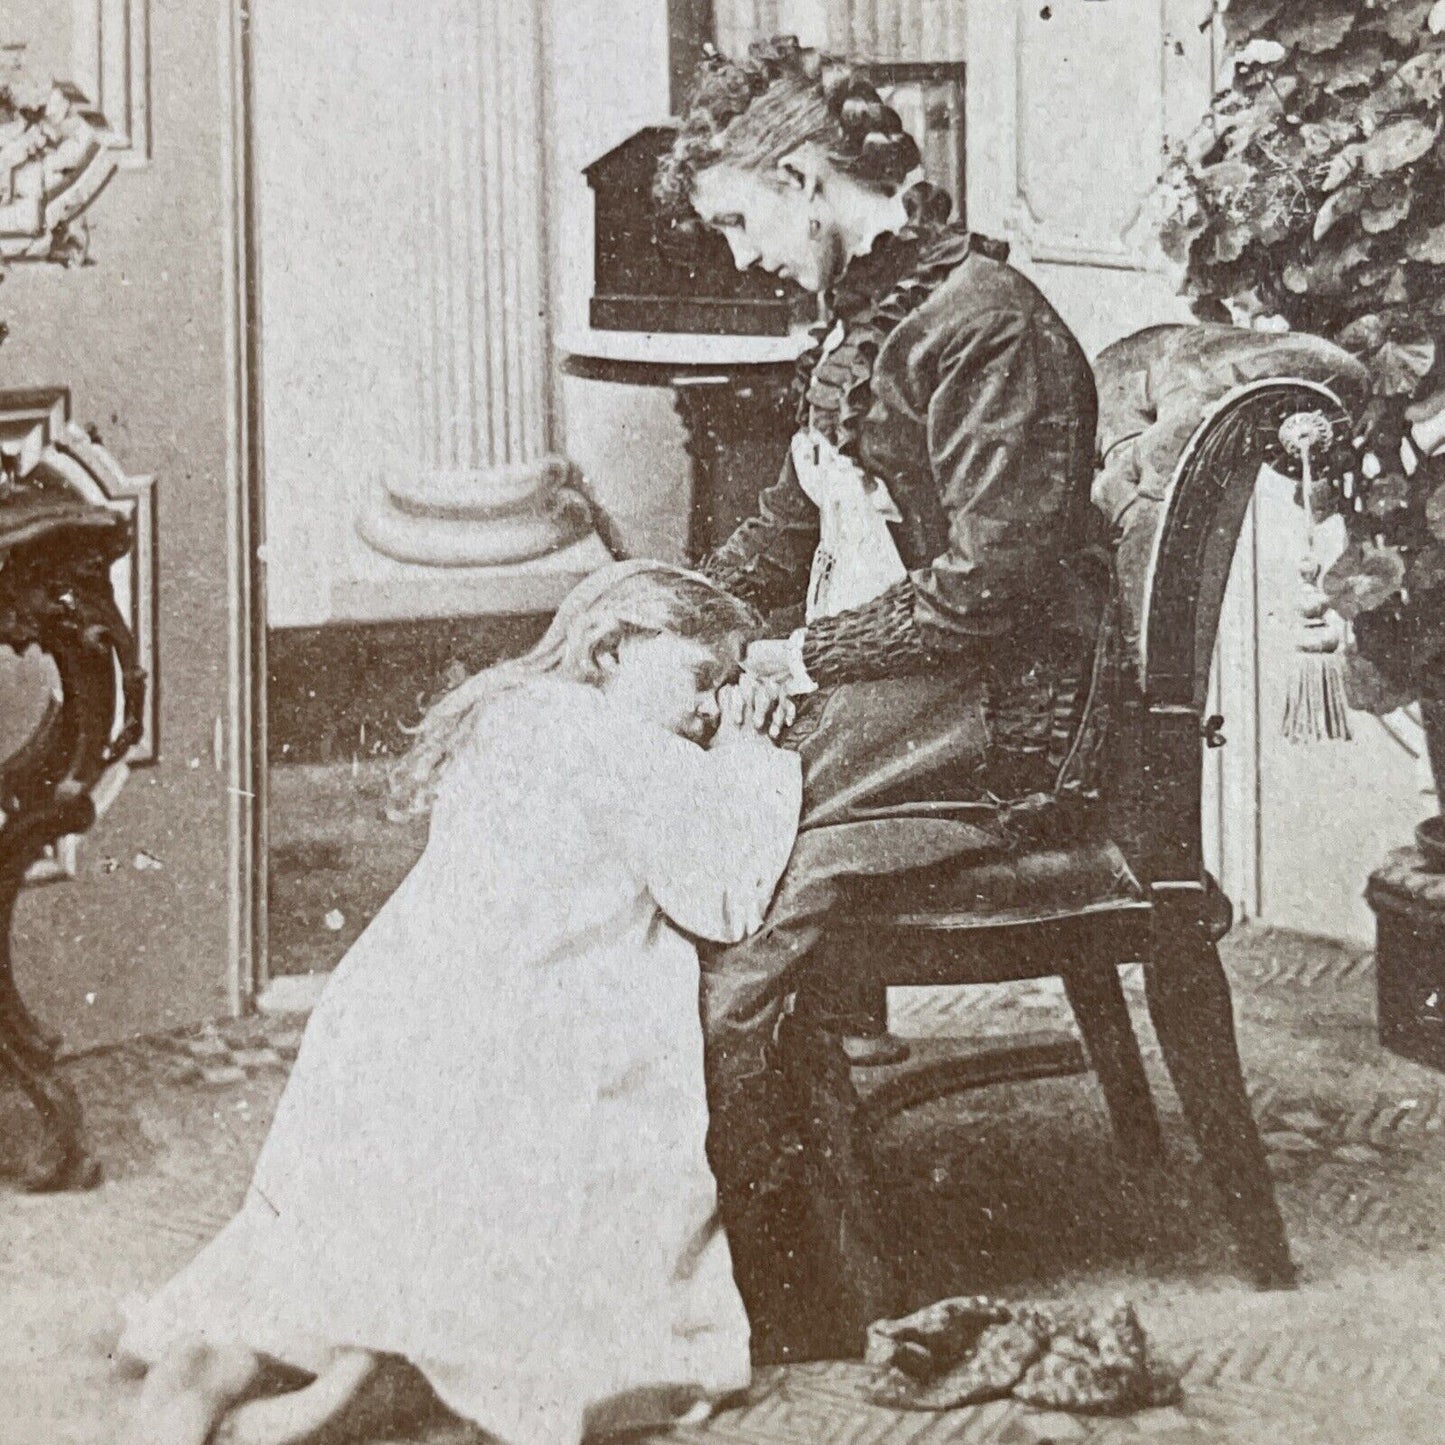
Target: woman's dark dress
[(961, 389)]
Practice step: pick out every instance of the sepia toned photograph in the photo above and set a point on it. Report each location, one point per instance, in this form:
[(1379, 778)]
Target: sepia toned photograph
[(721, 721)]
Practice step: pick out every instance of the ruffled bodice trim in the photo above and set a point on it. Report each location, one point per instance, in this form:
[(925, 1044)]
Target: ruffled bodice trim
[(877, 292)]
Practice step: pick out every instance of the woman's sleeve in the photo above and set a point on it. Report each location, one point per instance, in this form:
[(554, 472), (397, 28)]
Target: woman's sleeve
[(715, 831), (999, 441)]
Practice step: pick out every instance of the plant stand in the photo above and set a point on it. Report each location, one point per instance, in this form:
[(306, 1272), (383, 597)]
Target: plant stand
[(1409, 904)]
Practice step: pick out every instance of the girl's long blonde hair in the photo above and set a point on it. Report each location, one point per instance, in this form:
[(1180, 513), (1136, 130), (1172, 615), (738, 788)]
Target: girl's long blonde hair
[(625, 599)]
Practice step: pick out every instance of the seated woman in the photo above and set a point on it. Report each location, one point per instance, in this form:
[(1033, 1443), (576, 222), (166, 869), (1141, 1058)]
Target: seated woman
[(489, 1159), (937, 577)]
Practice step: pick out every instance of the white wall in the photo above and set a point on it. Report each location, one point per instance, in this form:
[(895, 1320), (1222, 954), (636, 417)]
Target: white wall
[(333, 149)]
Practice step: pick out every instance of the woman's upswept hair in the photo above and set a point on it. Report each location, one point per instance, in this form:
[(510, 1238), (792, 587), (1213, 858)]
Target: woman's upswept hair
[(626, 599), (751, 113)]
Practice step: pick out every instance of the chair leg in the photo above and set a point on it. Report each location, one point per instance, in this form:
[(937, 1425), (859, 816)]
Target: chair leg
[(1103, 1018), (1189, 1002)]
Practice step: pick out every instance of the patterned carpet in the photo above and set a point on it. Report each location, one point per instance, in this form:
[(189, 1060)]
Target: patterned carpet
[(1010, 1190)]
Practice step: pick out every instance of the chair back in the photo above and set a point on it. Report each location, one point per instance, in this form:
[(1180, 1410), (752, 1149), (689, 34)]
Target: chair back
[(1188, 415), (1186, 538)]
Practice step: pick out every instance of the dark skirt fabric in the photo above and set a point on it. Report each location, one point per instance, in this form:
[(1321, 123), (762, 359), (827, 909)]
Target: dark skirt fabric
[(898, 774)]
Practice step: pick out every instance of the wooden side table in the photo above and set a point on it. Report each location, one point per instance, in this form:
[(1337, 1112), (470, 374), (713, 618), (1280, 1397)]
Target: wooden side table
[(1409, 903), (56, 551), (733, 396)]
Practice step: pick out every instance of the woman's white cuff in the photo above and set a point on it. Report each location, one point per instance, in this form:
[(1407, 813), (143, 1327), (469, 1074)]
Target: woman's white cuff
[(799, 683)]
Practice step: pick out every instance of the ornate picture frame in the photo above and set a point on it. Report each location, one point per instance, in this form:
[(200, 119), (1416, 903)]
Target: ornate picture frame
[(58, 155)]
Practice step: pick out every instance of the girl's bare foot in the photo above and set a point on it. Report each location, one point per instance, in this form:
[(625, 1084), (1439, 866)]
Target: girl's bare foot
[(295, 1417), (184, 1395)]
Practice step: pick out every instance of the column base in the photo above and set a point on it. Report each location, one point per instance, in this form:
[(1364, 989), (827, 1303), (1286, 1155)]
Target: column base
[(400, 592), (477, 517), (449, 539)]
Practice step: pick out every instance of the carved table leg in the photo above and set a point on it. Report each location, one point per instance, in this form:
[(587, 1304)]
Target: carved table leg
[(55, 594), (63, 1162), (736, 429), (28, 1051)]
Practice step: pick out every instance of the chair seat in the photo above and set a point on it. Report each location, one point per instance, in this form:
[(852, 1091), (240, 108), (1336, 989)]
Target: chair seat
[(1033, 885)]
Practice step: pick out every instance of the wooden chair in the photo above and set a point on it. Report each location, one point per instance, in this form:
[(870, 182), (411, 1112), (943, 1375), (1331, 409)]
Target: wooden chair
[(1139, 893)]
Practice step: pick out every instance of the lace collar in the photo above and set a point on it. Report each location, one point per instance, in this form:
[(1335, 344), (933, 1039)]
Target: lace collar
[(874, 294)]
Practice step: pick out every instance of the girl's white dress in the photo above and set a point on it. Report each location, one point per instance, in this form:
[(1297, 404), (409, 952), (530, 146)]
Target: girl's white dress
[(489, 1157)]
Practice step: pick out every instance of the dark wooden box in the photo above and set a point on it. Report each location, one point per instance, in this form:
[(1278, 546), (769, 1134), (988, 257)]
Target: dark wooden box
[(1409, 905), (653, 275)]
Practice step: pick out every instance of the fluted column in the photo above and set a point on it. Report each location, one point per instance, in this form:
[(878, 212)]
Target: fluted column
[(481, 486)]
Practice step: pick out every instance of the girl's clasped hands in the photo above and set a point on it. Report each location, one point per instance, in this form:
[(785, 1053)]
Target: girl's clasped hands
[(752, 707)]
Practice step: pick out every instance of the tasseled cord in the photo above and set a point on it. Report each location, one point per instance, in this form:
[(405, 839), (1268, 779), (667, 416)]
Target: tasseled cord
[(1315, 708)]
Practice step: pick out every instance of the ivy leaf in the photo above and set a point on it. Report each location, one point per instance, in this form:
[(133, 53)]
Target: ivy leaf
[(1404, 21), (1177, 236), (1388, 496), (1362, 578), (1203, 141), (1383, 193), (1364, 333), (1373, 278), (1378, 219), (1427, 569), (1344, 202), (1328, 274), (1420, 79), (1228, 243), (1274, 226), (1429, 248), (1389, 204), (1320, 138), (1246, 307), (1260, 52), (1320, 28), (1370, 688), (1343, 166), (1249, 17), (1226, 176), (1359, 68), (1400, 366), (1396, 144), (1435, 512)]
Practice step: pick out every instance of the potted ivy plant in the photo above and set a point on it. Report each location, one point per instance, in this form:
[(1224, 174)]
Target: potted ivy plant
[(1312, 198)]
